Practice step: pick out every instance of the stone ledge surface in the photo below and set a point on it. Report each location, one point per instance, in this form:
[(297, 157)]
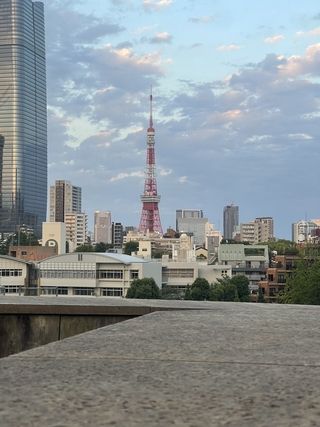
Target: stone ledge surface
[(234, 364)]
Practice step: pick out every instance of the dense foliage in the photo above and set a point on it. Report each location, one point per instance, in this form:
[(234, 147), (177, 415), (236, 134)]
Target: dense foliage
[(231, 289), (303, 287), (143, 289), (199, 290)]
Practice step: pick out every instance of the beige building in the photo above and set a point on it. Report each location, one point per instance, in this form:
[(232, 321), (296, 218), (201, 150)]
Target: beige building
[(54, 236), (14, 275), (179, 275), (95, 274), (258, 231), (76, 229)]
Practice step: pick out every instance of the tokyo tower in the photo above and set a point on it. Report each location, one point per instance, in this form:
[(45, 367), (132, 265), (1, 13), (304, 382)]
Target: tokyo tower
[(150, 217)]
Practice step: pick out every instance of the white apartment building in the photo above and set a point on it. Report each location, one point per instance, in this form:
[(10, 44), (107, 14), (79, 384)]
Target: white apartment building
[(302, 230), (102, 227), (76, 229), (54, 236)]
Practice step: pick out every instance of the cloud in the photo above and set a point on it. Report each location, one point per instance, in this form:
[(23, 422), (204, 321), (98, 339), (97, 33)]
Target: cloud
[(154, 5), (160, 38), (228, 47), (251, 130), (315, 32), (274, 39), (183, 179), (202, 19), (124, 175), (300, 65)]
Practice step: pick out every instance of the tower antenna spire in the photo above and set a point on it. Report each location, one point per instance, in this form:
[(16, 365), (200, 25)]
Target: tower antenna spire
[(150, 217), (151, 118)]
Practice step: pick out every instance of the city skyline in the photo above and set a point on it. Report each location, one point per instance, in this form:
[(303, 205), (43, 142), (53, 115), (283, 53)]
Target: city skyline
[(236, 105)]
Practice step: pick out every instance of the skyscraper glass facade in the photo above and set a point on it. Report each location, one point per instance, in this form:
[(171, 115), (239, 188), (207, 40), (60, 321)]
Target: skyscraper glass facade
[(23, 116)]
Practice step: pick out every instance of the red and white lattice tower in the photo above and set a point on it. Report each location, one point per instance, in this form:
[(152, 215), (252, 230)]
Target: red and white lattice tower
[(150, 217)]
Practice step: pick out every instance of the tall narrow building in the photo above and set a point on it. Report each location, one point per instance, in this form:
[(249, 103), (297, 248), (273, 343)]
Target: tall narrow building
[(230, 220), (23, 116), (102, 227), (150, 216), (65, 198)]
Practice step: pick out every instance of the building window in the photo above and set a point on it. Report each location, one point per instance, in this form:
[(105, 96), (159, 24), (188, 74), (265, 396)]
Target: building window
[(83, 291), (281, 278), (110, 274), (68, 274), (112, 292), (54, 290), (179, 272), (6, 272), (134, 274), (270, 277)]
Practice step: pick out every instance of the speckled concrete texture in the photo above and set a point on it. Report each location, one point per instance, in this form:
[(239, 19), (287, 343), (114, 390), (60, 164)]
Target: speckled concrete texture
[(235, 364)]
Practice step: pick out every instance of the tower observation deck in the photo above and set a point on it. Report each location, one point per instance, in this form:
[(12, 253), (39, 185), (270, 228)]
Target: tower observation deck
[(150, 216)]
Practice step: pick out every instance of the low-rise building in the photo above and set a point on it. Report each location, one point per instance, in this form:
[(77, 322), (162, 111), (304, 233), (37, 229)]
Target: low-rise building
[(249, 260), (95, 274), (277, 275), (32, 253), (16, 275), (178, 275)]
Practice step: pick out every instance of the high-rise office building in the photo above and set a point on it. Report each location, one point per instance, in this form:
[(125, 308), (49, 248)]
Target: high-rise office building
[(102, 227), (187, 213), (191, 221), (230, 220), (23, 116), (64, 198)]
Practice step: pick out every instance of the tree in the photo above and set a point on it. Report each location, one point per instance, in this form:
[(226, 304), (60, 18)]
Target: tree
[(231, 289), (143, 289), (85, 248), (303, 287), (283, 247), (200, 290), (130, 247), (241, 283), (102, 247), (260, 295), (187, 294), (217, 292)]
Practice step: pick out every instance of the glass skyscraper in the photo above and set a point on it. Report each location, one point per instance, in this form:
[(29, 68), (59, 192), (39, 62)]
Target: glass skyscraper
[(23, 116)]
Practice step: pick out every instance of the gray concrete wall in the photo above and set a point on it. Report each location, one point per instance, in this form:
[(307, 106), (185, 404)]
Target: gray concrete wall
[(19, 332)]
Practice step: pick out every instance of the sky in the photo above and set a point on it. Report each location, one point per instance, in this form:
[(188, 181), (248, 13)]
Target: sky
[(236, 89)]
